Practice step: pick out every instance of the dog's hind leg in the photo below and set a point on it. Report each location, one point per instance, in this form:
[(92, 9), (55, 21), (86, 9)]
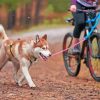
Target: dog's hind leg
[(21, 79), (3, 63), (3, 57), (16, 68)]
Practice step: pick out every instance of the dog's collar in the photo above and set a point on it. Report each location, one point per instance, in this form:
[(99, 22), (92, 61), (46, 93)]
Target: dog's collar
[(32, 58)]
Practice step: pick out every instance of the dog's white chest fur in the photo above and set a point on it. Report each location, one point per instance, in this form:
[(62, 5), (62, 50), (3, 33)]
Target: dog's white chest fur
[(27, 48)]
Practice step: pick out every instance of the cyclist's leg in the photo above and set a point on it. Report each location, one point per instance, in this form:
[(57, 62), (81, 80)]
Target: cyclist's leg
[(79, 18)]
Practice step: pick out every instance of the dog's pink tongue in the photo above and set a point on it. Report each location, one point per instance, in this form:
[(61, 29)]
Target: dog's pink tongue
[(43, 58)]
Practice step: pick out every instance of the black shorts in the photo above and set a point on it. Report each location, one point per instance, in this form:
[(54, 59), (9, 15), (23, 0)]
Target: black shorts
[(80, 20)]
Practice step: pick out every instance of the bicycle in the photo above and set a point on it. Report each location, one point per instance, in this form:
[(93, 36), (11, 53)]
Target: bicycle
[(90, 49)]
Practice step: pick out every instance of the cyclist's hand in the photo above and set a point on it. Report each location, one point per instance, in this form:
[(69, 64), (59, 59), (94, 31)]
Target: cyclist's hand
[(73, 8)]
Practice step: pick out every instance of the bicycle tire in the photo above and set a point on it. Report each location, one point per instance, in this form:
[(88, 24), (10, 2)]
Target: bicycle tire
[(66, 57), (94, 57)]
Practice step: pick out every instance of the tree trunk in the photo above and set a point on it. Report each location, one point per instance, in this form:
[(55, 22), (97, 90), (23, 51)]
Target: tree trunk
[(37, 11), (11, 19)]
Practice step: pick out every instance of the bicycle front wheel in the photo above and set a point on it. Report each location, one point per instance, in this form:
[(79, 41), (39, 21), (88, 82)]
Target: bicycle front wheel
[(94, 57), (72, 63)]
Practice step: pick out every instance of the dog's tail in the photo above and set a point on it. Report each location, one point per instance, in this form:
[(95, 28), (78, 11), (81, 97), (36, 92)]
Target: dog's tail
[(3, 34)]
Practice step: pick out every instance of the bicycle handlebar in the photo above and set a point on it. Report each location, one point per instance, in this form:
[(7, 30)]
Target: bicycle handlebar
[(71, 20), (87, 11)]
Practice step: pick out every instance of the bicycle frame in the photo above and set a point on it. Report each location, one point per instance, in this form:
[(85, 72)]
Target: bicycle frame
[(89, 32), (89, 21)]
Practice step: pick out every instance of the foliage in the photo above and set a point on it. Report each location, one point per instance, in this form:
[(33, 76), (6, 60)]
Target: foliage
[(12, 4), (49, 9), (59, 5)]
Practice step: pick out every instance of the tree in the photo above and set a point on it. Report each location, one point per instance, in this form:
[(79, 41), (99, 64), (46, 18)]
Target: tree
[(37, 11), (59, 5), (13, 4), (11, 7)]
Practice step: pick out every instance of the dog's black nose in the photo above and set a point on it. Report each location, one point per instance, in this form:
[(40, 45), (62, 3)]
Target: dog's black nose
[(50, 55)]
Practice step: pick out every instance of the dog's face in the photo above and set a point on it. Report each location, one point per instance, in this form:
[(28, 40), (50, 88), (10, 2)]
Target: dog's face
[(41, 48)]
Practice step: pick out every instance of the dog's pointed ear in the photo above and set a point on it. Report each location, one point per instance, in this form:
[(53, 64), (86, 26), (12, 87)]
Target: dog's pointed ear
[(45, 37), (37, 38)]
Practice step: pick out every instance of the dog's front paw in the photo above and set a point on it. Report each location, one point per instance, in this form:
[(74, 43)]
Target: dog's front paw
[(32, 86)]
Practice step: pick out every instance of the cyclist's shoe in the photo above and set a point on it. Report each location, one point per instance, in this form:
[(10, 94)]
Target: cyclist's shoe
[(75, 50)]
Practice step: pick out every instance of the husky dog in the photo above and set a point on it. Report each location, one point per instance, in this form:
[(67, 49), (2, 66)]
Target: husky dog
[(22, 53)]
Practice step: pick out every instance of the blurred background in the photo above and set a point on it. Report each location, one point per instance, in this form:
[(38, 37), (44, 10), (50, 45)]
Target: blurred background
[(20, 14)]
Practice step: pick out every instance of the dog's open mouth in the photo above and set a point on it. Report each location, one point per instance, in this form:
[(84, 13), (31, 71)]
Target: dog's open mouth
[(43, 57)]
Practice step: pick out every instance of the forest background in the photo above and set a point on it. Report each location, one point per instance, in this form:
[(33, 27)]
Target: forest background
[(19, 14)]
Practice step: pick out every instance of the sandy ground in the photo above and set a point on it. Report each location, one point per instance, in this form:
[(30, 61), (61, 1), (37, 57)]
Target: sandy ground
[(52, 80)]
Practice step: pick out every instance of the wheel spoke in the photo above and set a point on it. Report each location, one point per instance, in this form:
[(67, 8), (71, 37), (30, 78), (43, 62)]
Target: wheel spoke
[(71, 62)]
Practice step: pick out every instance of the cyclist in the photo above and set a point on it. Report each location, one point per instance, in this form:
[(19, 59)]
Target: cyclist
[(80, 18)]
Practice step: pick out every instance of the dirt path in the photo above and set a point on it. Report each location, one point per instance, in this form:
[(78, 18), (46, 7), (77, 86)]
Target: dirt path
[(52, 80)]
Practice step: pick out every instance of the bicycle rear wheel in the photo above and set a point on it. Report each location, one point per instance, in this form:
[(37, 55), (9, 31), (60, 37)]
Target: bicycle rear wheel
[(94, 57), (71, 62)]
